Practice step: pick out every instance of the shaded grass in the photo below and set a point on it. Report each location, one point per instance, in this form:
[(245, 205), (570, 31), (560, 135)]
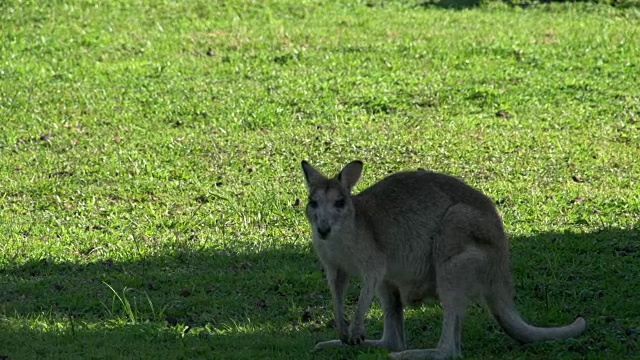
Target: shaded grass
[(273, 304)]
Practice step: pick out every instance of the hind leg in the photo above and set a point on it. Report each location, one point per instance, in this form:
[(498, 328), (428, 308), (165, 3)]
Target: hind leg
[(454, 305), (457, 286)]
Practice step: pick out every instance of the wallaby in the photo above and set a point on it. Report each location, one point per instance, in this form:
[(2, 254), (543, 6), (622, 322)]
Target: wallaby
[(413, 235)]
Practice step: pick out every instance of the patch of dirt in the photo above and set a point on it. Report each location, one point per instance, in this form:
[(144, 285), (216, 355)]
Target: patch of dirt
[(578, 200), (577, 178), (503, 114), (62, 173)]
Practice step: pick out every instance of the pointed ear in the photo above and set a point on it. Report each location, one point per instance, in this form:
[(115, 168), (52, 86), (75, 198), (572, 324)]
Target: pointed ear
[(311, 175), (350, 175)]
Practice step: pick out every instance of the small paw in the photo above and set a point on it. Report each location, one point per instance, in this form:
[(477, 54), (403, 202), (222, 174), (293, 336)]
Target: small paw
[(356, 340), (344, 337), (342, 328), (356, 335)]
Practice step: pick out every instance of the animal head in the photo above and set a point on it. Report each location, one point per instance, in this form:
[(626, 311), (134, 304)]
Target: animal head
[(330, 205)]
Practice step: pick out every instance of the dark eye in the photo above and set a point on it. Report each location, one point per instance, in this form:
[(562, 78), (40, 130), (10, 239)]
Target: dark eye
[(313, 203), (339, 203)]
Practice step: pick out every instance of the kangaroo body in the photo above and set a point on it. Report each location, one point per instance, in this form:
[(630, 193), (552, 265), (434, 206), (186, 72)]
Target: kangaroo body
[(414, 235)]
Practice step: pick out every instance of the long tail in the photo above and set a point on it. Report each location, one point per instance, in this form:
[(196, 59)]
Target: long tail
[(503, 310)]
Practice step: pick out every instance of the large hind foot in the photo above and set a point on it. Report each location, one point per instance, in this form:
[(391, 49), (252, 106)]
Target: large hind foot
[(423, 354), (339, 343)]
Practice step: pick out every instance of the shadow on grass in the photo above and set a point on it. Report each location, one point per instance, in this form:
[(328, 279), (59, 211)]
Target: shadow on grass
[(468, 4), (275, 304), (451, 4)]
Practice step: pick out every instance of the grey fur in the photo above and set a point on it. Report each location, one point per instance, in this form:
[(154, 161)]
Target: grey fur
[(414, 235)]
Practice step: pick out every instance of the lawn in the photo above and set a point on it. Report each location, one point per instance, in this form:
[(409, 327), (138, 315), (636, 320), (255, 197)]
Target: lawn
[(151, 196)]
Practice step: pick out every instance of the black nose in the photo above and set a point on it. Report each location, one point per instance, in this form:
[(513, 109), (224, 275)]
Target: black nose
[(324, 232)]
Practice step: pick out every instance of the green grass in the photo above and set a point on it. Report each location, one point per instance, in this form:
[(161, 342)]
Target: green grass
[(149, 167)]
